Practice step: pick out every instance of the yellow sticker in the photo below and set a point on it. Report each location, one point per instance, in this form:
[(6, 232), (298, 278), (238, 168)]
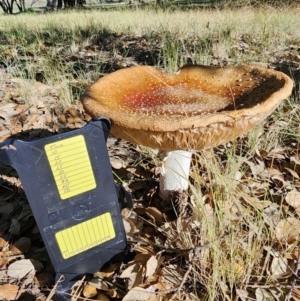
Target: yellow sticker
[(71, 166), (86, 235)]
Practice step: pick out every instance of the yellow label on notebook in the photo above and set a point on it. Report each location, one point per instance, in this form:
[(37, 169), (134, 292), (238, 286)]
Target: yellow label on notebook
[(86, 235), (71, 166)]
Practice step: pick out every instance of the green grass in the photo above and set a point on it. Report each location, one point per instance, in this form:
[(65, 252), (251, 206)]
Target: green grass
[(199, 36)]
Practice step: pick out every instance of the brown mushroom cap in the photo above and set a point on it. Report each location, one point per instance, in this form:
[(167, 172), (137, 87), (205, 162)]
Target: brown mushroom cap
[(197, 108)]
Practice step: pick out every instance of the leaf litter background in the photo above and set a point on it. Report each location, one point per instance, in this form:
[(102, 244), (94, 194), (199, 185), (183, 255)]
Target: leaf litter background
[(170, 257)]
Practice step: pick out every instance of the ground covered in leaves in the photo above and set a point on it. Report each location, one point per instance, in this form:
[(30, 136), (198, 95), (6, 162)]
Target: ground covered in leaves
[(234, 236)]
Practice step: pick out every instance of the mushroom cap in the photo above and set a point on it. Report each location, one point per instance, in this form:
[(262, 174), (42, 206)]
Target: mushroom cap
[(198, 107)]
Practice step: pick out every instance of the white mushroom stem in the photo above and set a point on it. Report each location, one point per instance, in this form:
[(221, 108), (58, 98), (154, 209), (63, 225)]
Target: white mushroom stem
[(174, 175)]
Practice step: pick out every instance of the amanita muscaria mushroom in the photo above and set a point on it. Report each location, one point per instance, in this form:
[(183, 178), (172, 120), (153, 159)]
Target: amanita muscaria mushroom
[(199, 107)]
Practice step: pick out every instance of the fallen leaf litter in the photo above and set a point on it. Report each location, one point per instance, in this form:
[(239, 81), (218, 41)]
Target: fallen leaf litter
[(166, 248)]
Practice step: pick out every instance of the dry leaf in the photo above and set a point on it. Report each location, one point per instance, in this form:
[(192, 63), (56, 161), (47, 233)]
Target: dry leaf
[(3, 242), (138, 294), (151, 266), (155, 297), (130, 270), (3, 260), (296, 294), (292, 172), (89, 291), (288, 230), (115, 294), (30, 122), (145, 250), (257, 169), (116, 164), (243, 294), (21, 268), (272, 214), (153, 263), (279, 181), (133, 274), (9, 110), (130, 215), (157, 217), (129, 227), (279, 265), (141, 258), (273, 171), (263, 295), (293, 198), (109, 271), (10, 291)]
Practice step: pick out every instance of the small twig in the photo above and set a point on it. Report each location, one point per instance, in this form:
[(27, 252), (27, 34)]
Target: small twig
[(207, 245), (183, 281), (178, 250), (192, 251), (289, 295), (76, 294), (10, 257), (271, 285), (112, 285), (53, 291)]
